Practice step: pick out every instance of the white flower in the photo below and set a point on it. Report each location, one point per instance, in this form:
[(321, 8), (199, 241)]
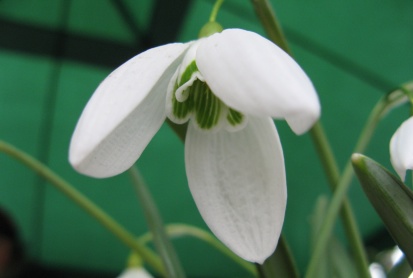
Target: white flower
[(401, 148), (135, 272), (229, 86)]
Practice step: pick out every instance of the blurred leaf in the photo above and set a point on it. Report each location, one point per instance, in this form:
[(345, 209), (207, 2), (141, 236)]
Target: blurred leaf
[(391, 198), (316, 221), (337, 262), (342, 263), (155, 224)]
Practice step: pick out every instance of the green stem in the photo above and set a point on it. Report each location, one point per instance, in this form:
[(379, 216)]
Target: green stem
[(270, 23), (324, 150), (409, 95), (155, 223), (179, 230), (330, 166), (109, 223), (215, 10), (339, 198), (274, 31)]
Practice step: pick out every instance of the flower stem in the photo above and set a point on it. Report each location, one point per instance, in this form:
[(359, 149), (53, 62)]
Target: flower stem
[(215, 10), (339, 198), (409, 95), (108, 222), (155, 223), (270, 23)]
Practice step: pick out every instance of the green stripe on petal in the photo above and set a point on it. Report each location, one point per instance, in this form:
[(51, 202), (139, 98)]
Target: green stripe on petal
[(207, 106), (234, 117), (181, 109), (186, 75)]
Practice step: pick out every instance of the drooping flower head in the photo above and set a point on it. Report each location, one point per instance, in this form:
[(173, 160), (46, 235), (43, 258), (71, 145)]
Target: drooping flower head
[(228, 86), (401, 148)]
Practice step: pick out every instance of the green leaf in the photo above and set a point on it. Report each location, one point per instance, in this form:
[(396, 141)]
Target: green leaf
[(391, 198)]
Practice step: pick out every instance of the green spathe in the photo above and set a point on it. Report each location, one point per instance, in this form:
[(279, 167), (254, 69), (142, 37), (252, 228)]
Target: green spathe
[(391, 198)]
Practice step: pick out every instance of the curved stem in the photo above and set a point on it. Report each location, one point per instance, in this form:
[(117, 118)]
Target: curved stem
[(270, 23), (330, 166), (215, 10), (179, 230), (108, 222), (409, 95)]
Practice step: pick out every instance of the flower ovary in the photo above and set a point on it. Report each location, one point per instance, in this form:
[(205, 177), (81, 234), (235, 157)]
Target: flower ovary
[(181, 109)]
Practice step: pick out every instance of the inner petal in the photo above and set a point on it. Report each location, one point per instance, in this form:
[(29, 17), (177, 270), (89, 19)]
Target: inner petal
[(207, 107), (189, 96)]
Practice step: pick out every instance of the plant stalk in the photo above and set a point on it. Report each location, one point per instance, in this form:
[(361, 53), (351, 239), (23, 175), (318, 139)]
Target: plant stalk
[(92, 209)]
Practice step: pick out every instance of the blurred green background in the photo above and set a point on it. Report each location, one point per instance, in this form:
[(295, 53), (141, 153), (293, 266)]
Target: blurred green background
[(54, 53)]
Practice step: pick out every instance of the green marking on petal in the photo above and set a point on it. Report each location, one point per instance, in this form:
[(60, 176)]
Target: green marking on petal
[(207, 106), (186, 75), (200, 100), (181, 109), (234, 117)]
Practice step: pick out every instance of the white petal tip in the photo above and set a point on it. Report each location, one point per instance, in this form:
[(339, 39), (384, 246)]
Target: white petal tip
[(303, 122), (258, 258), (258, 78)]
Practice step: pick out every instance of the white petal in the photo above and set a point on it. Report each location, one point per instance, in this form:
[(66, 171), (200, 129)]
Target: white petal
[(253, 75), (238, 182), (135, 272), (401, 148), (124, 113)]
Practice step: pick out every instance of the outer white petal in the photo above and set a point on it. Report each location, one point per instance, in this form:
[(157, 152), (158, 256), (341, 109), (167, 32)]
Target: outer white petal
[(238, 182), (401, 148), (124, 113), (135, 272), (253, 75)]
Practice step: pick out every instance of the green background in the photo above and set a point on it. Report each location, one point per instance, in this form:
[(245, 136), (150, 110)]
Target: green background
[(354, 52)]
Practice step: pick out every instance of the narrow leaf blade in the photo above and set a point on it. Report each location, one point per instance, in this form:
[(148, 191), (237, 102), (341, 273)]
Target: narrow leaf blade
[(391, 198)]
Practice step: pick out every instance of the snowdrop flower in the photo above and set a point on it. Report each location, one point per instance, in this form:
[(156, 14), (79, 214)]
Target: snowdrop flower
[(228, 86), (135, 272), (401, 148)]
